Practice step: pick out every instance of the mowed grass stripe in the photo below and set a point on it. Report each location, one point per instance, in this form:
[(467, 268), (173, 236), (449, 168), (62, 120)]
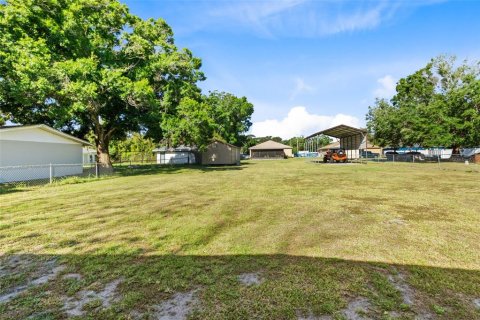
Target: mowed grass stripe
[(320, 235)]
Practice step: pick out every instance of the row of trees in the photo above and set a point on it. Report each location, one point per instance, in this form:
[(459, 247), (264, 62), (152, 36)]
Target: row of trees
[(438, 105), (90, 67)]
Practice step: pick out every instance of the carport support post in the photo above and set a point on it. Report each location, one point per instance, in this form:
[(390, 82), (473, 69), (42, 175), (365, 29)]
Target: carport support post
[(51, 173)]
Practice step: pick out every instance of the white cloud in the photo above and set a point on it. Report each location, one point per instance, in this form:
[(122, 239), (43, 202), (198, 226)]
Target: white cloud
[(301, 87), (258, 15), (308, 18), (387, 87), (300, 122)]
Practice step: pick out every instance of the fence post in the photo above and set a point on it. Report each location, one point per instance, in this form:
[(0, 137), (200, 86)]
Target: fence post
[(51, 173), (96, 169)]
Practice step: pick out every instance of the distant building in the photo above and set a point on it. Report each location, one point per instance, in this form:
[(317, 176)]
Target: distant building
[(89, 155), (372, 149), (179, 155), (216, 153), (270, 150)]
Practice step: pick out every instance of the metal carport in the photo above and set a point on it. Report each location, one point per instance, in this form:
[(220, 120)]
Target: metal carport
[(351, 139)]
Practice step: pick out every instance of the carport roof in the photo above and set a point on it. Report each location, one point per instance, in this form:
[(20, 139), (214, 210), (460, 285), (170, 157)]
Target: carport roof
[(340, 131)]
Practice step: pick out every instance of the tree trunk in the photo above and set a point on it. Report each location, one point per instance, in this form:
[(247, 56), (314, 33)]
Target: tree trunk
[(103, 153), (103, 156)]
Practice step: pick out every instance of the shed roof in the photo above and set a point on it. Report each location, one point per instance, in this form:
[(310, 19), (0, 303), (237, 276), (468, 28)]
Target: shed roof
[(340, 131), (223, 142), (270, 145), (177, 149), (47, 129), (183, 148)]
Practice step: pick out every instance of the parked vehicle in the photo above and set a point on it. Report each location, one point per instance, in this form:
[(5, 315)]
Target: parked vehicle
[(369, 154), (335, 155), (416, 155)]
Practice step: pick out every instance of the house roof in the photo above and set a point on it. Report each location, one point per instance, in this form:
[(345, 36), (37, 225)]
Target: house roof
[(47, 129), (340, 131), (270, 145), (332, 145)]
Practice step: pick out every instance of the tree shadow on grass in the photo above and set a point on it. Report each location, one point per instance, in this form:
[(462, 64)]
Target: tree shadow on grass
[(10, 188), (113, 286), (170, 169), (122, 171)]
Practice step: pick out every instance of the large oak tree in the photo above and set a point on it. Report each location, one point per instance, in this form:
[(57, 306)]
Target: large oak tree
[(91, 66)]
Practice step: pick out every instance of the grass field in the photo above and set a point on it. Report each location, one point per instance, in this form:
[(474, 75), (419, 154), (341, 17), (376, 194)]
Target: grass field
[(265, 240)]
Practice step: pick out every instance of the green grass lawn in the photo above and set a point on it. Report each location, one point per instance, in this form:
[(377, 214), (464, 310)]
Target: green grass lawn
[(384, 240)]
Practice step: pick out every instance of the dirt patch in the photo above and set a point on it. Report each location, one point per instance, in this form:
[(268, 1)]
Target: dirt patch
[(178, 307), (250, 279), (74, 276), (311, 316), (73, 306), (357, 309), (400, 283), (14, 264), (394, 314), (42, 273), (476, 303)]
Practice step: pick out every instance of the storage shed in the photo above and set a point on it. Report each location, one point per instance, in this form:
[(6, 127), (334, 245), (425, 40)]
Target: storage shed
[(179, 155), (220, 153), (26, 153), (270, 150)]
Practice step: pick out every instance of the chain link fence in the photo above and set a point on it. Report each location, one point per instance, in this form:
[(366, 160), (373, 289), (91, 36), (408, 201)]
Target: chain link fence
[(46, 173), (133, 158)]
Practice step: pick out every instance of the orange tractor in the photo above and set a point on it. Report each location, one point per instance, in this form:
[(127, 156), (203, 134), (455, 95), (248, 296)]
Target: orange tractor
[(335, 155)]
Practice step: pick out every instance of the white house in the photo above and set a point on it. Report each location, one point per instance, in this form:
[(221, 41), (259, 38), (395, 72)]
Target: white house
[(29, 152), (89, 155)]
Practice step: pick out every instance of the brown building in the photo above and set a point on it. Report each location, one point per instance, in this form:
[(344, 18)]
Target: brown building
[(220, 153), (270, 150)]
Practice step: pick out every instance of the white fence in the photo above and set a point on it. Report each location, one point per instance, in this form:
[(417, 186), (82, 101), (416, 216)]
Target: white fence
[(45, 172)]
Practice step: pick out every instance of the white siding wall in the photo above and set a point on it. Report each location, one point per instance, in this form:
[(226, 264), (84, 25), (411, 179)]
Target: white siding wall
[(18, 153), (37, 147), (175, 158)]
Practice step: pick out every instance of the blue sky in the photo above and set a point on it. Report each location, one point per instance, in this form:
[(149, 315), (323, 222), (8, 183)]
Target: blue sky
[(309, 64)]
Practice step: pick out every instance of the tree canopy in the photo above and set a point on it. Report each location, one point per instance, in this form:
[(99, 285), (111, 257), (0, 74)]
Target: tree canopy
[(438, 105), (218, 115), (90, 65)]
